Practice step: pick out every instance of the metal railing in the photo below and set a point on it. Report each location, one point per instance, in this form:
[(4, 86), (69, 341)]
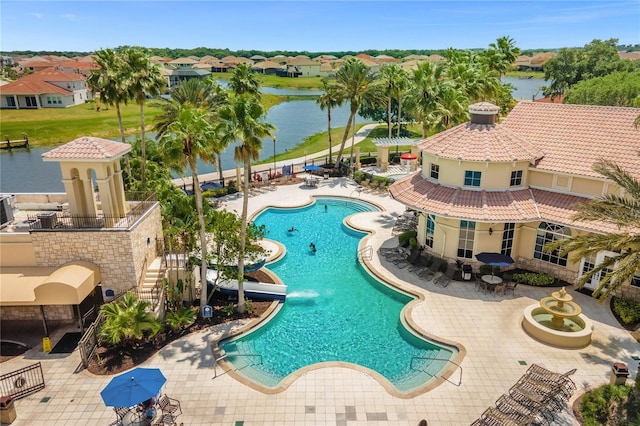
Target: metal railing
[(63, 220), (22, 382), (438, 359)]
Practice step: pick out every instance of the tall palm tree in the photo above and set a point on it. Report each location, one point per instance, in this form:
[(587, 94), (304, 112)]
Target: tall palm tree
[(426, 82), (241, 121), (244, 80), (621, 211), (329, 99), (392, 78), (186, 135), (356, 82), (450, 107), (144, 79), (109, 80), (506, 47)]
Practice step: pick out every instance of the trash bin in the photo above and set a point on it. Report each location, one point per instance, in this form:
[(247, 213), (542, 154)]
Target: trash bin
[(619, 373), (466, 272), (7, 410), (326, 174)]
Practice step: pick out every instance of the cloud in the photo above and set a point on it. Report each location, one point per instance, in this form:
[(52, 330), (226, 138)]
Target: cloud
[(69, 17), (37, 15)]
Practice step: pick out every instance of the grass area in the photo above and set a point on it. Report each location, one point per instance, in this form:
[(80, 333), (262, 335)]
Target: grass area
[(55, 126), (518, 74), (280, 82)]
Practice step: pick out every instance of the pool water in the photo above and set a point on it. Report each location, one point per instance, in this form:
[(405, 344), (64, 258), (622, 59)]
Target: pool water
[(335, 310)]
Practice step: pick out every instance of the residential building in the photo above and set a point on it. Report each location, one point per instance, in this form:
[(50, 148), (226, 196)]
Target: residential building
[(512, 187), (50, 88)]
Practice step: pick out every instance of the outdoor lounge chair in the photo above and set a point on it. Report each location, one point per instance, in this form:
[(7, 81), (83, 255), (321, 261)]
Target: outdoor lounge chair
[(411, 259), (442, 279), (428, 274)]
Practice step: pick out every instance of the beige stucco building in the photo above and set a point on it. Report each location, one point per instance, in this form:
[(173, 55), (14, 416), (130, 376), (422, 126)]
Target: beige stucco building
[(511, 187), (62, 255)]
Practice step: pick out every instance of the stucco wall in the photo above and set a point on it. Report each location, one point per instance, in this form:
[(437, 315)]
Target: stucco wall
[(16, 249), (27, 313)]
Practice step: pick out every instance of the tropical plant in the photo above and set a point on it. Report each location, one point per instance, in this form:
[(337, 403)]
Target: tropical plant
[(501, 55), (355, 82), (242, 121), (187, 138), (426, 81), (329, 99), (244, 81), (143, 79), (181, 319), (127, 321), (109, 80), (394, 81), (620, 211)]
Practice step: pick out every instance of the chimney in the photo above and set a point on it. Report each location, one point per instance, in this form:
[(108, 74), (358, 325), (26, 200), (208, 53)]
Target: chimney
[(484, 113)]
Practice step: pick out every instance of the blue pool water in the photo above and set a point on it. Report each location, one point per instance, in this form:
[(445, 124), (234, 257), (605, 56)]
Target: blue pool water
[(334, 311)]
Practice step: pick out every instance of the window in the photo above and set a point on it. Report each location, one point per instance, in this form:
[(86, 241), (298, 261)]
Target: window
[(435, 171), (472, 178), (588, 265), (635, 281), (11, 101), (507, 238), (430, 229), (547, 233), (516, 178), (465, 240), (31, 101)]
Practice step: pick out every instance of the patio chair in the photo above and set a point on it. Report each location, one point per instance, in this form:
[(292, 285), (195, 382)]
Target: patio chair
[(510, 286), (442, 280), (169, 406), (411, 259), (121, 412), (428, 274)]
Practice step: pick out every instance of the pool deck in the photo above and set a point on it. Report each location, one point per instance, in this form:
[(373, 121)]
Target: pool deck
[(487, 326)]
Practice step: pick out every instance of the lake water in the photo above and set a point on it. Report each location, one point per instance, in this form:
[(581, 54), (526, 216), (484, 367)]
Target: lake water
[(22, 170)]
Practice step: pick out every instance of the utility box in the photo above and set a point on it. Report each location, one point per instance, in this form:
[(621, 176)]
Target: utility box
[(7, 410), (48, 220), (466, 272), (619, 373)]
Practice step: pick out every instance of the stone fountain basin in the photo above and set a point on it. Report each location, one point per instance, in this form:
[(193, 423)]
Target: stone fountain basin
[(562, 339)]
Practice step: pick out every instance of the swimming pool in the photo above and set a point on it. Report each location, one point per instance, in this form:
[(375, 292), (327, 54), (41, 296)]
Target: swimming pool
[(335, 310)]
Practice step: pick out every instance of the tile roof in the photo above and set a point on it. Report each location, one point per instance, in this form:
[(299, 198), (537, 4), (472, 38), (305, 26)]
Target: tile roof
[(480, 142), (88, 148), (524, 205), (574, 137), (39, 83)]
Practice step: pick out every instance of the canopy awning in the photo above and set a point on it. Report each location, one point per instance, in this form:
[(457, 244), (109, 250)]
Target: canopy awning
[(399, 141), (68, 284)]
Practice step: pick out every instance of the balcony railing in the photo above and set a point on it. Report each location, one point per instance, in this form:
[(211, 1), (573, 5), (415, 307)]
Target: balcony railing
[(140, 203)]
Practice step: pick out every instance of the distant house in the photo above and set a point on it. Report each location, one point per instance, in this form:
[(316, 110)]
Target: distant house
[(182, 74), (50, 88), (268, 68), (305, 66)]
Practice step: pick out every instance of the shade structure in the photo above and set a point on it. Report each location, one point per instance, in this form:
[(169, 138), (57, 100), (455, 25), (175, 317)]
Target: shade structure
[(408, 156), (133, 387), (494, 259), (311, 168)]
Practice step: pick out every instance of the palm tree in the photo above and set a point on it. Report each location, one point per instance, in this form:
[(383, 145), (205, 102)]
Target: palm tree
[(127, 321), (110, 80), (450, 107), (242, 121), (186, 134), (506, 47), (329, 99), (244, 80), (391, 78), (355, 82), (426, 81), (144, 79), (621, 211)]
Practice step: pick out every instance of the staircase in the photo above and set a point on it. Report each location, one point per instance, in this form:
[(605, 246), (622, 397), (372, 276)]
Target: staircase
[(151, 287)]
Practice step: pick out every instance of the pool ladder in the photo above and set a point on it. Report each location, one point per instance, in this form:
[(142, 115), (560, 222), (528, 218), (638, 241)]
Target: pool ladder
[(225, 356), (365, 253), (439, 359)]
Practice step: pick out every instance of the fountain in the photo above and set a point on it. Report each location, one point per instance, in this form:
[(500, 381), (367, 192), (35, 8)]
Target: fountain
[(559, 321)]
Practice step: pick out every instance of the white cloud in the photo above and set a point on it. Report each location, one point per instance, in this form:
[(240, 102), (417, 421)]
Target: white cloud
[(37, 15), (69, 17)]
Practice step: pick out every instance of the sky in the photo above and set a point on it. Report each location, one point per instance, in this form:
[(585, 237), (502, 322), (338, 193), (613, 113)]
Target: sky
[(313, 26)]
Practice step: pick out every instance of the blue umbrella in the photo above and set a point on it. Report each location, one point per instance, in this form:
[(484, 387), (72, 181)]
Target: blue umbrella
[(312, 168), (133, 387), (494, 259)]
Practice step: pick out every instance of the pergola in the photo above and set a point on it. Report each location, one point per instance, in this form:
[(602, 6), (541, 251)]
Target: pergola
[(382, 149)]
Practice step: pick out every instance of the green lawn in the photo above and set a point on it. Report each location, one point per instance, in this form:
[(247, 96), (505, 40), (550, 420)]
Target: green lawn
[(55, 126), (280, 82)]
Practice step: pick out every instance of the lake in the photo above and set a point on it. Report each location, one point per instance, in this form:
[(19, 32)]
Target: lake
[(22, 170)]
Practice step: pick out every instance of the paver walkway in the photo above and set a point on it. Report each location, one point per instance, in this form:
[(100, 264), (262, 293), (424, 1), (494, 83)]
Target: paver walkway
[(488, 327)]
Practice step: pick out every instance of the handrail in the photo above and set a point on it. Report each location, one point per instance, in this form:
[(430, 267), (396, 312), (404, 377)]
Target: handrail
[(225, 356), (365, 253), (439, 359)]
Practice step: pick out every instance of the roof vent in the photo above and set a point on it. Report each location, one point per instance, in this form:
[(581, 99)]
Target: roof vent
[(483, 113)]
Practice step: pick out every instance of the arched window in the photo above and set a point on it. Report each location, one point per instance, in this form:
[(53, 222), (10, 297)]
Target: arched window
[(547, 233)]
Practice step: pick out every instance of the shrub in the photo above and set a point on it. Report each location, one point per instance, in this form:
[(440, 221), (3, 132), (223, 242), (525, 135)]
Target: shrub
[(627, 309), (531, 278), (443, 267), (181, 319), (595, 405), (405, 238)]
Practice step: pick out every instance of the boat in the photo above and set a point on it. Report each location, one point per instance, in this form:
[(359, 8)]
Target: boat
[(252, 289)]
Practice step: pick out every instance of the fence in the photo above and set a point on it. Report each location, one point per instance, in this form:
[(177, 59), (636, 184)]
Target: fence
[(20, 383)]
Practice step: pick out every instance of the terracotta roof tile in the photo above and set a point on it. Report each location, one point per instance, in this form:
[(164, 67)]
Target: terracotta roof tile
[(524, 205), (480, 142), (88, 148), (574, 137)]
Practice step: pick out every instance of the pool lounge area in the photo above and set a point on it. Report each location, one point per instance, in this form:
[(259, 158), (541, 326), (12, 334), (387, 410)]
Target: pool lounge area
[(498, 352)]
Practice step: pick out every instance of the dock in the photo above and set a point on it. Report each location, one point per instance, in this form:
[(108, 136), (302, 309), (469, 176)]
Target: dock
[(18, 143)]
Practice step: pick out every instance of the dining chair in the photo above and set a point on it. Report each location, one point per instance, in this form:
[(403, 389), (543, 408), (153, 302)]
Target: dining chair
[(169, 405)]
